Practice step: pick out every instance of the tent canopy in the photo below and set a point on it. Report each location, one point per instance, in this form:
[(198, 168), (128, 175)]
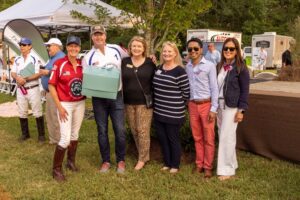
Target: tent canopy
[(50, 15)]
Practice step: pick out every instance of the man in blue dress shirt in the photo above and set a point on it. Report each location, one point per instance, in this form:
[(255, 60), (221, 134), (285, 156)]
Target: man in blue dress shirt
[(213, 54), (202, 106)]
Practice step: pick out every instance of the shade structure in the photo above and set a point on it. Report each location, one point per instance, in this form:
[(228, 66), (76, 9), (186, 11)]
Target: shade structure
[(49, 15)]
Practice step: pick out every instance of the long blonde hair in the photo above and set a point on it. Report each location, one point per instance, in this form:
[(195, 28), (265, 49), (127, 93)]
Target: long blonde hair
[(138, 39), (178, 59)]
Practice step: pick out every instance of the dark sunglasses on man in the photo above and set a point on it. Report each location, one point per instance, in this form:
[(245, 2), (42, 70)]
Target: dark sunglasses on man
[(190, 49), (23, 45)]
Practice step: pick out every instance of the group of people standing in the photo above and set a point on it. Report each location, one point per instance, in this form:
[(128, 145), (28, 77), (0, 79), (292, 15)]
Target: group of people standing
[(207, 90)]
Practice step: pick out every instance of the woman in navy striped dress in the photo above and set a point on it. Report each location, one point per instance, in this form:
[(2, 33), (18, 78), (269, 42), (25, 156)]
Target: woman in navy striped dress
[(171, 92)]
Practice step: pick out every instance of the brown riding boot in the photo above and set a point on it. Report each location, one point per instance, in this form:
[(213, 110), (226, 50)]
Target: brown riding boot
[(24, 128), (71, 156), (57, 164), (41, 129)]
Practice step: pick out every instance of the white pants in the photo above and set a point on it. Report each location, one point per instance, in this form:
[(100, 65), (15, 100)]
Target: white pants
[(69, 129), (33, 97), (227, 162)]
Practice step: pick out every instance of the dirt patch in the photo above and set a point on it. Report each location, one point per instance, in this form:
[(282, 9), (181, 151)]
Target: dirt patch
[(4, 195), (289, 73)]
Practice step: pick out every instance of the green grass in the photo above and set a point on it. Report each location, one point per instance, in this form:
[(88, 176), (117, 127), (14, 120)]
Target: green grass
[(25, 173), (6, 97)]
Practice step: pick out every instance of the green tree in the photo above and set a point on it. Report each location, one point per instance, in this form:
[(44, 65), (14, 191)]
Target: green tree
[(250, 17), (7, 3), (157, 20), (295, 32)]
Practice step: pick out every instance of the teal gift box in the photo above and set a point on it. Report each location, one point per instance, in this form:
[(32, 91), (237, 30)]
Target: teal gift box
[(100, 82), (28, 70)]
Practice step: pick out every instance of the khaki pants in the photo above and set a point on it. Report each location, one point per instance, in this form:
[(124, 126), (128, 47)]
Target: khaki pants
[(139, 118), (52, 120)]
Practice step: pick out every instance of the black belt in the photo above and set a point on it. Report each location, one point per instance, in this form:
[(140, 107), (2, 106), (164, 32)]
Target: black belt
[(32, 86)]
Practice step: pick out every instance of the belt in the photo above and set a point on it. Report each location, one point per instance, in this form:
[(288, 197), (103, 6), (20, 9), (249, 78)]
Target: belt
[(202, 101), (32, 86)]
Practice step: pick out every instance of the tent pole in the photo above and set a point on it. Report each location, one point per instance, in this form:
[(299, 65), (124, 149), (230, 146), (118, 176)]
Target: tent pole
[(90, 37), (50, 33)]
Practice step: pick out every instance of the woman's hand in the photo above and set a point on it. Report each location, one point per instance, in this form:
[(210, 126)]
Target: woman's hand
[(63, 114), (238, 117)]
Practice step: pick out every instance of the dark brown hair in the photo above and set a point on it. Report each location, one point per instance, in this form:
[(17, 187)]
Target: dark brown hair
[(238, 57)]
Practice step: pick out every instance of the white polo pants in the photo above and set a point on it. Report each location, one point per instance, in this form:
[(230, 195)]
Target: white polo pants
[(33, 97), (69, 130), (227, 162)]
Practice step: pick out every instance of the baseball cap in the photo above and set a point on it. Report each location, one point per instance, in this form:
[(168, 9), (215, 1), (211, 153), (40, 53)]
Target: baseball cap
[(73, 40), (25, 41), (97, 29), (54, 41)]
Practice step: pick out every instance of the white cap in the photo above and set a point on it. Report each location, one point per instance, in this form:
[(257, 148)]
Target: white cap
[(54, 41)]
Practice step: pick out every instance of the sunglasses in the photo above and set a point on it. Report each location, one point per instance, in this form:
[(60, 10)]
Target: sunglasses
[(231, 49), (190, 49), (23, 45)]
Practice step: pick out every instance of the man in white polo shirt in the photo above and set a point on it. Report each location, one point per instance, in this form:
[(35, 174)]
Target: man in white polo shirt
[(101, 55), (28, 90)]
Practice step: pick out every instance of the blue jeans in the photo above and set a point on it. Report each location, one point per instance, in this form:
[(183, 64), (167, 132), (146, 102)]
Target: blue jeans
[(103, 108)]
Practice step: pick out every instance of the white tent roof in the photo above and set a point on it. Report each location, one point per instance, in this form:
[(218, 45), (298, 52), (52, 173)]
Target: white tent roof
[(52, 13)]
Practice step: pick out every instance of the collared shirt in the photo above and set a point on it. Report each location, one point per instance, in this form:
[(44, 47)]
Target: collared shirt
[(48, 66), (221, 78), (203, 82), (113, 56), (67, 81), (214, 56), (20, 63)]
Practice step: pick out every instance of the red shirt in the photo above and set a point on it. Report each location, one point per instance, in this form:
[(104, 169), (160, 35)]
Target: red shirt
[(67, 81)]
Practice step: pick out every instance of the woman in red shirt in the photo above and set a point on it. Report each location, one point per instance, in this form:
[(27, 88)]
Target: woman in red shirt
[(65, 85)]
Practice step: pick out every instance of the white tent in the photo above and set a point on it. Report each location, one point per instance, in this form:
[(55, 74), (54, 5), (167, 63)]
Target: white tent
[(53, 14)]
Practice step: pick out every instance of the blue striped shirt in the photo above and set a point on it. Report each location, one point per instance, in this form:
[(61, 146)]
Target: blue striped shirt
[(171, 91)]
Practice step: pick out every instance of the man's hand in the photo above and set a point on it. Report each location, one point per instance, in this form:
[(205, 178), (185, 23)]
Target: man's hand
[(44, 72), (211, 116), (20, 80)]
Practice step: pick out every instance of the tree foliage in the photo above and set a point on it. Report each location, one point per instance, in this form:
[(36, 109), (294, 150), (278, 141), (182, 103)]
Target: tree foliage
[(161, 20), (250, 17), (295, 32), (157, 20), (7, 3)]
